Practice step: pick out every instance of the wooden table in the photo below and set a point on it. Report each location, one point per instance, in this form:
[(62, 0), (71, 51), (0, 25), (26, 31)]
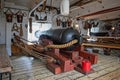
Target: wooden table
[(104, 45), (5, 63)]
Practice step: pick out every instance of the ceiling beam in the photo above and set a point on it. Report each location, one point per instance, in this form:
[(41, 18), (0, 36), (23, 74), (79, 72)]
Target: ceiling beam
[(76, 3), (115, 19), (82, 2), (101, 12), (51, 7)]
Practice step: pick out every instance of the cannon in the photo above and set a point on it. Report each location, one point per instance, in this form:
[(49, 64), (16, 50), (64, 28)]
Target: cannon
[(62, 36), (65, 47), (62, 48)]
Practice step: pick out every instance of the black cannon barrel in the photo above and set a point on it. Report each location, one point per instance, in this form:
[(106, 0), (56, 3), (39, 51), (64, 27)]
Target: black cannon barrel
[(62, 36)]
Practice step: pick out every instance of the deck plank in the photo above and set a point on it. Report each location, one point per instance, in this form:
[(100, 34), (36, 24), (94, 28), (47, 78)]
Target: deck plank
[(116, 78), (110, 76), (100, 73), (26, 68)]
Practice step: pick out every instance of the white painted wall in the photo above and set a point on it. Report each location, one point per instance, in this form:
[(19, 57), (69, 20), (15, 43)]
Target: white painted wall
[(5, 27), (8, 37), (54, 24), (2, 28), (82, 30)]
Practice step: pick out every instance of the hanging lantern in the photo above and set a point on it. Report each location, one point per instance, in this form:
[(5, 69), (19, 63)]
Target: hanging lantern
[(64, 7)]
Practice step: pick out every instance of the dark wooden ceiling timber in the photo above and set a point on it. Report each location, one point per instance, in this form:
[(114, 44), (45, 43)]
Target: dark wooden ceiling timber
[(101, 12), (82, 2)]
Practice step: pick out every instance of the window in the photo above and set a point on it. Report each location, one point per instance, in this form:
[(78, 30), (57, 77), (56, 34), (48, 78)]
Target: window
[(37, 28)]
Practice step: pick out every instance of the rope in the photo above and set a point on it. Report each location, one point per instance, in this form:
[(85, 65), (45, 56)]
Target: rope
[(63, 45), (57, 46), (36, 54)]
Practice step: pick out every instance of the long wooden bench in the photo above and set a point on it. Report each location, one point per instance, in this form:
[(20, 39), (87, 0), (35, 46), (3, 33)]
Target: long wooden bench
[(5, 63), (114, 46)]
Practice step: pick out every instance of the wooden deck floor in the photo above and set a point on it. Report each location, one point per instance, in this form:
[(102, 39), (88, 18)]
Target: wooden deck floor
[(28, 68)]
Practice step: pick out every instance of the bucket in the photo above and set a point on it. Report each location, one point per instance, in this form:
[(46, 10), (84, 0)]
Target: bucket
[(86, 65), (19, 18), (9, 17)]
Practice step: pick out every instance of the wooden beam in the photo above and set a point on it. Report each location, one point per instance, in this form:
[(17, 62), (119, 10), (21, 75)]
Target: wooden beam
[(82, 2), (101, 12), (76, 3), (16, 8), (50, 7), (115, 46), (115, 19)]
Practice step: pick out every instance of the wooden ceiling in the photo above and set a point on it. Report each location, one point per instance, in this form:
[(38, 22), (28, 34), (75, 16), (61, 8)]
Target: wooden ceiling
[(78, 8), (54, 3)]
